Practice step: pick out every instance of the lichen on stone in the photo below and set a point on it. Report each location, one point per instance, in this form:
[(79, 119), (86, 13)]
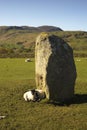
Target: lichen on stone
[(43, 35)]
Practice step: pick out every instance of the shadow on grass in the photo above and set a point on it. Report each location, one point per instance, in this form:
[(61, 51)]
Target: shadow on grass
[(77, 99)]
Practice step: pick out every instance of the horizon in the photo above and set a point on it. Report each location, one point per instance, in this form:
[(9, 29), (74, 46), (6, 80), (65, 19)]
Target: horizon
[(39, 26), (65, 14)]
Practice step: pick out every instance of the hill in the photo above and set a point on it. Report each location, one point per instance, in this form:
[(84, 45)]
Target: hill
[(49, 28), (44, 28), (18, 41)]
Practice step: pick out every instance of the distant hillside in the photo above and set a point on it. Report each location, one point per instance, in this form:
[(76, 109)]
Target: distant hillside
[(30, 29), (49, 28), (18, 41)]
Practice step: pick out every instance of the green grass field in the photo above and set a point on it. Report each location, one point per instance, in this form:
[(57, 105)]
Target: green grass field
[(16, 77)]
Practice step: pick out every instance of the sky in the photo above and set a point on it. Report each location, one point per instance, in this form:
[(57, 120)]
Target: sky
[(66, 14)]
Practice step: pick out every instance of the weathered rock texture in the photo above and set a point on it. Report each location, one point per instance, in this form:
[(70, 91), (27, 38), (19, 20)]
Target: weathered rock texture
[(55, 68)]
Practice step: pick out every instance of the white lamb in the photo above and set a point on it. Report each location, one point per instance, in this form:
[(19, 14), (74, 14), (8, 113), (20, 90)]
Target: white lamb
[(34, 95), (28, 96)]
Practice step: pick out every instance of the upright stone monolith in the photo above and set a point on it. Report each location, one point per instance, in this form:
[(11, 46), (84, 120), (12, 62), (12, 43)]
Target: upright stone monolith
[(55, 67)]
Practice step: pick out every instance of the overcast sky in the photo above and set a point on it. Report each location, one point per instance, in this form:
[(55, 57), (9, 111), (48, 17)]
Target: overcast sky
[(66, 14)]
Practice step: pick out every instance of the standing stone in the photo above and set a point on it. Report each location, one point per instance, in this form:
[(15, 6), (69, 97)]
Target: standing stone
[(55, 67)]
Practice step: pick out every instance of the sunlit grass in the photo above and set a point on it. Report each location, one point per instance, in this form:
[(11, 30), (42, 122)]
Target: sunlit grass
[(16, 69), (16, 77), (81, 82)]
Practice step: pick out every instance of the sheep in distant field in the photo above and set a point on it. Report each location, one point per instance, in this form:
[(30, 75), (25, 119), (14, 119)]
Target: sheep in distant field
[(78, 60), (2, 117), (34, 95), (27, 60)]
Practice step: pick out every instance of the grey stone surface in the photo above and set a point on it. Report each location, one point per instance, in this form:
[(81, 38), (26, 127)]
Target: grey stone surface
[(54, 67)]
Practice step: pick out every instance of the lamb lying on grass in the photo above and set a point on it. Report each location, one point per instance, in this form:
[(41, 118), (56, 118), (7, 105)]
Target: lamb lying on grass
[(34, 95), (2, 117)]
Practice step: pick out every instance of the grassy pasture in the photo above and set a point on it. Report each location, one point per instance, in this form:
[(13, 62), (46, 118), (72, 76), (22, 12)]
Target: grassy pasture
[(16, 77)]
